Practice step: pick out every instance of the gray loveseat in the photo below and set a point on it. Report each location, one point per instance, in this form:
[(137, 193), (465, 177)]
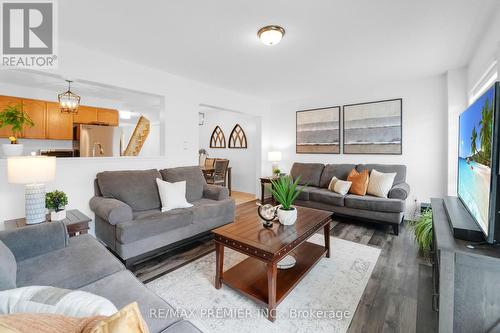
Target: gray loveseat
[(382, 210), (128, 217), (43, 255)]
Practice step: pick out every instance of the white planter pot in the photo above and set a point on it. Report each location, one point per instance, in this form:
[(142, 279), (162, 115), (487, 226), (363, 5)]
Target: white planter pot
[(287, 217), (12, 150), (58, 216)]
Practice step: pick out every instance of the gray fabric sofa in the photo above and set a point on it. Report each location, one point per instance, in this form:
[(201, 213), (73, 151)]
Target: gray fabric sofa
[(128, 217), (43, 255), (317, 176)]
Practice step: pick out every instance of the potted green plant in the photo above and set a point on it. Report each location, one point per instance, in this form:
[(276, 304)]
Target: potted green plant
[(285, 191), (14, 116), (423, 231), (276, 172), (55, 202)]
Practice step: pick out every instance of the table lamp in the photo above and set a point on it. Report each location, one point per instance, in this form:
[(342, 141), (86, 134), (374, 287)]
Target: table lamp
[(275, 157), (34, 172)]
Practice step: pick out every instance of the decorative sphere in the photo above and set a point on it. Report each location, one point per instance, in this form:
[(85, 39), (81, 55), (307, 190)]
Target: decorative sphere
[(267, 212)]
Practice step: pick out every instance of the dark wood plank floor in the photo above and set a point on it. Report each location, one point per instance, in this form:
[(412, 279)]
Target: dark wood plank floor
[(396, 299)]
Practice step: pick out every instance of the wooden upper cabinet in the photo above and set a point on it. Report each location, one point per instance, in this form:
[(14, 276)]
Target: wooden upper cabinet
[(37, 111), (59, 125), (108, 117), (5, 101), (85, 115)]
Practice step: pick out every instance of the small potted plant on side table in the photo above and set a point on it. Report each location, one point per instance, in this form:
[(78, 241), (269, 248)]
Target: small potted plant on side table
[(14, 116), (55, 202), (285, 191)]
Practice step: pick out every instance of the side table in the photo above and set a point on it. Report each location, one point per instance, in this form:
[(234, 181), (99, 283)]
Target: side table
[(76, 222), (263, 182)]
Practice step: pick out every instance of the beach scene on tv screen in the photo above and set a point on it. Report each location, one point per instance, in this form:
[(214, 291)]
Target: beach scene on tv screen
[(474, 166)]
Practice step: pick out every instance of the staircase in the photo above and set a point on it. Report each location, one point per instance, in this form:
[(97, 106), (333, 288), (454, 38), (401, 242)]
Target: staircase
[(138, 138)]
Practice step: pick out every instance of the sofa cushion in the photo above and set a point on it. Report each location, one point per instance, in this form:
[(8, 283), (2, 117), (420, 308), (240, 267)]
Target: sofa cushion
[(368, 202), (325, 196), (206, 209), (137, 188), (84, 261), (152, 222), (156, 312), (304, 195), (8, 268), (193, 177), (399, 169), (341, 171), (310, 173)]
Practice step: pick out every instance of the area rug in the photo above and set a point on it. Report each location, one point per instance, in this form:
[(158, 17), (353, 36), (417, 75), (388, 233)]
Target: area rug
[(324, 301)]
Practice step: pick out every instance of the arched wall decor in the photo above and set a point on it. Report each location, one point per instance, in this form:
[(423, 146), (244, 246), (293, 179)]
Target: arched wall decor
[(238, 139), (217, 140)]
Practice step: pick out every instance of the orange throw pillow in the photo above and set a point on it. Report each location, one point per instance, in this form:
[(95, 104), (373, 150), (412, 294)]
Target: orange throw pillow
[(359, 182)]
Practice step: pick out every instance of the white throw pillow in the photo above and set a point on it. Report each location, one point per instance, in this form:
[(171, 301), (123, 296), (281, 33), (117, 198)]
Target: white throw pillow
[(380, 183), (342, 186), (172, 195), (331, 185), (45, 299)]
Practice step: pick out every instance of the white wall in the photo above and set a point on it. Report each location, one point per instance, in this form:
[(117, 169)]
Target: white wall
[(485, 51), (245, 163), (179, 122), (424, 131)]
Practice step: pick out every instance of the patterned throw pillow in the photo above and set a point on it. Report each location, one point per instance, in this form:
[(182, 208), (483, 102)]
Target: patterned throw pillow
[(43, 299), (127, 320), (380, 183), (331, 186), (359, 182), (339, 186)]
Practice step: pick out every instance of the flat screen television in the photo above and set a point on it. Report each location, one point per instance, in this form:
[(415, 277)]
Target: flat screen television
[(478, 159)]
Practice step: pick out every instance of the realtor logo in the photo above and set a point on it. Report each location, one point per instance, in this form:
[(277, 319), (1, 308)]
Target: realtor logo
[(28, 34)]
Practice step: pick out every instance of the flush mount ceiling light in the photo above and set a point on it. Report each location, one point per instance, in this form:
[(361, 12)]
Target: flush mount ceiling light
[(271, 34), (69, 101)]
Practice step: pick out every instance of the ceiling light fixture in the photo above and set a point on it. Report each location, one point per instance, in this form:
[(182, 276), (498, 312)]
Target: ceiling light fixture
[(271, 34), (68, 101)]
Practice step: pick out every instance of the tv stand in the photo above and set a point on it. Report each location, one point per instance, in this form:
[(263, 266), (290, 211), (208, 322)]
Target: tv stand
[(461, 222), (466, 288)]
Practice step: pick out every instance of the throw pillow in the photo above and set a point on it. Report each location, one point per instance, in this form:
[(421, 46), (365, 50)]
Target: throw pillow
[(8, 268), (127, 320), (44, 299), (332, 184), (380, 183), (172, 195), (46, 323), (359, 182), (342, 187)]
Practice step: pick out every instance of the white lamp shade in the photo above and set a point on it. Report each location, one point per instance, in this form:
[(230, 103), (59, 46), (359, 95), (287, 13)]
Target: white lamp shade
[(31, 169), (274, 156)]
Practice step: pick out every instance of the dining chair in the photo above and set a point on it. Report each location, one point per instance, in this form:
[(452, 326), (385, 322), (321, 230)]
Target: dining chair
[(219, 177), (209, 162)]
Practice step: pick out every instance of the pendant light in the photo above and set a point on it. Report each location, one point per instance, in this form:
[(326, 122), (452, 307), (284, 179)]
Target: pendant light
[(69, 101)]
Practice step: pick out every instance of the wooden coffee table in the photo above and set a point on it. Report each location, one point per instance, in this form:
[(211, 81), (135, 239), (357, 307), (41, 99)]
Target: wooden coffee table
[(258, 276)]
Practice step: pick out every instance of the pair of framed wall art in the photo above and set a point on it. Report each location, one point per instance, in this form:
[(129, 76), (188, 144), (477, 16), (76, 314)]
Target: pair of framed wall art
[(368, 128)]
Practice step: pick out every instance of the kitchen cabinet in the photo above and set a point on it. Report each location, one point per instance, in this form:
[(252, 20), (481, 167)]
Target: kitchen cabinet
[(59, 125), (5, 101), (85, 115), (107, 116), (37, 111)]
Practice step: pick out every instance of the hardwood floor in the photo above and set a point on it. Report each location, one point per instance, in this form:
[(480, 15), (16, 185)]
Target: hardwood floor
[(399, 292), (242, 197)]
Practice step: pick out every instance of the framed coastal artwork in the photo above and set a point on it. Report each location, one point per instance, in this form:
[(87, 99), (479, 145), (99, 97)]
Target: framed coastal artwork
[(318, 131), (374, 127)]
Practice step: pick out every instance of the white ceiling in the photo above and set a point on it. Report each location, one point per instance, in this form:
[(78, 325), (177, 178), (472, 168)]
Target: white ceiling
[(327, 42)]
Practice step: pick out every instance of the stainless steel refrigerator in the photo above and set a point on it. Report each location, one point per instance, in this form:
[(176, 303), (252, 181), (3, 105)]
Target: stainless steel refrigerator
[(94, 140)]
